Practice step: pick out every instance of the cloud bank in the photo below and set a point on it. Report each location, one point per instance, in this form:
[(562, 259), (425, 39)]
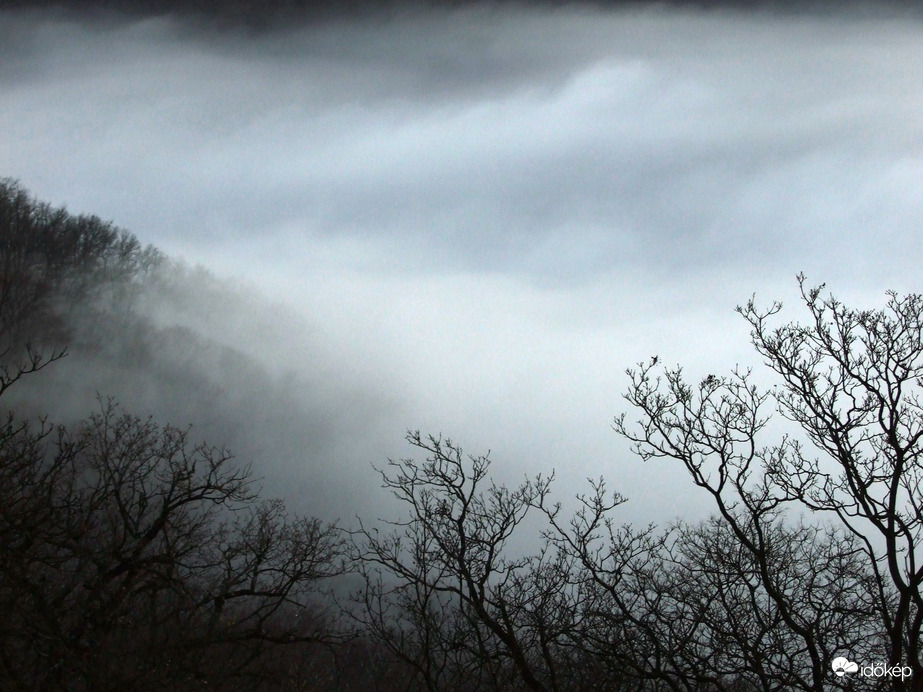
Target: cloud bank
[(480, 217)]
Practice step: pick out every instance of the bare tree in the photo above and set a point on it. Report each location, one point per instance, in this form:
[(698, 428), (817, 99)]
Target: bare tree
[(134, 559), (850, 380), (442, 590)]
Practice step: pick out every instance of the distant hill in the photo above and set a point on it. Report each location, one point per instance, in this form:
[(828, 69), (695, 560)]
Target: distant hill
[(171, 341)]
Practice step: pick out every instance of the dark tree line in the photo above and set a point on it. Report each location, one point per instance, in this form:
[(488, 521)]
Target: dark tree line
[(52, 261), (133, 560), (132, 557)]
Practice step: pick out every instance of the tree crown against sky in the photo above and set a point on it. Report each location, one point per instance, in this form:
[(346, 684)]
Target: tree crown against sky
[(762, 596)]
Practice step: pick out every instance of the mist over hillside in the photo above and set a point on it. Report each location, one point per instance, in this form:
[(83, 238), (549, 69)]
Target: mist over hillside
[(176, 343), (466, 220)]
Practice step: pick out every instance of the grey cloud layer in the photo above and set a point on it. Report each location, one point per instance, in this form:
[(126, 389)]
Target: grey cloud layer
[(484, 138), (495, 211)]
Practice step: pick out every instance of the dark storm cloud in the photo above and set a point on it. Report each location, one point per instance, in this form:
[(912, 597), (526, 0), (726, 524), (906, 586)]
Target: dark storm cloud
[(654, 129), (486, 214)]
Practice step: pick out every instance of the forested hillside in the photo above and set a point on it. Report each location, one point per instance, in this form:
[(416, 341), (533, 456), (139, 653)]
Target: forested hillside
[(174, 342), (133, 557)]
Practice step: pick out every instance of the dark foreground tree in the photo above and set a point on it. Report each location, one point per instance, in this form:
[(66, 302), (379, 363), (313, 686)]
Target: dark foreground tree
[(812, 554), (452, 593), (133, 559), (851, 382), (441, 590)]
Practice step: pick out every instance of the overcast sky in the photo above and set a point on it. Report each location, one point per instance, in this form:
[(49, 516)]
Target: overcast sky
[(484, 216)]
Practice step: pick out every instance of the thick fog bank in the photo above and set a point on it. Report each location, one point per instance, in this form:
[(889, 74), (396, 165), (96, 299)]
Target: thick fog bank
[(475, 218)]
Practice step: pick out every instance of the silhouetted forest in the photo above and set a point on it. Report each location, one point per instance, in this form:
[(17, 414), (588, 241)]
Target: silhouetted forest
[(135, 557)]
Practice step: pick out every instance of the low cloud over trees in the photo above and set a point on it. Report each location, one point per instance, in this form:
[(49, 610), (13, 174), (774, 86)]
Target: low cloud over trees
[(133, 556)]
